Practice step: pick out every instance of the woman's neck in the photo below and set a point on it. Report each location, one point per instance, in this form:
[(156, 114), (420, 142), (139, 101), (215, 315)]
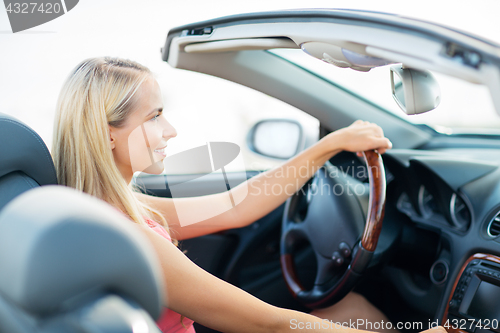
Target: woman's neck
[(126, 173)]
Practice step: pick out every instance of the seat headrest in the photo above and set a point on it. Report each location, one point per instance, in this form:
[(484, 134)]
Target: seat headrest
[(58, 245), (22, 149)]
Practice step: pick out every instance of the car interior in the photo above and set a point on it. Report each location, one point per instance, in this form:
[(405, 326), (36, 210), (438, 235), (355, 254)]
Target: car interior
[(436, 254)]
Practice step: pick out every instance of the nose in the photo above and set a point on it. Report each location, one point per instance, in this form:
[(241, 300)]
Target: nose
[(168, 130)]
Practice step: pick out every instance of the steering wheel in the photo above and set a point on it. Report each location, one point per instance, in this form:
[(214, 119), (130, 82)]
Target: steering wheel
[(329, 216)]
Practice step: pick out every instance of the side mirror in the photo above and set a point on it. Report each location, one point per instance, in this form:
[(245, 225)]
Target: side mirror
[(276, 138), (415, 91)]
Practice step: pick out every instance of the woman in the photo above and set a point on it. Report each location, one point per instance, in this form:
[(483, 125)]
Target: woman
[(109, 125)]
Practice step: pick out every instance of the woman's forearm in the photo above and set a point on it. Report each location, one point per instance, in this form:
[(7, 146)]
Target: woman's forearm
[(270, 189)]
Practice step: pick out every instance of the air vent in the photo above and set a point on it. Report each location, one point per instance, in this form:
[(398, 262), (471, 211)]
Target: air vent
[(494, 226)]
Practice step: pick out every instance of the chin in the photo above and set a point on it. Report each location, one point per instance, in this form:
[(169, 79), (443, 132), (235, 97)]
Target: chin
[(155, 169)]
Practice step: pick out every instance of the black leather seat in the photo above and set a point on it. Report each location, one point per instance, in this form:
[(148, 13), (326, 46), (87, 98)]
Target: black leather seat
[(68, 262), (72, 263), (25, 161)]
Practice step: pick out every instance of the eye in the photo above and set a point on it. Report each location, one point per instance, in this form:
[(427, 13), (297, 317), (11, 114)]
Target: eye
[(155, 118)]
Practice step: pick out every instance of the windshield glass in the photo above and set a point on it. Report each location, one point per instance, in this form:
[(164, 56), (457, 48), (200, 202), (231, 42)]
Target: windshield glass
[(465, 107)]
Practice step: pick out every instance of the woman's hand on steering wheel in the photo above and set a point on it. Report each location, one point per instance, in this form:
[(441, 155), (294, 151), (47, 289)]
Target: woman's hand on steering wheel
[(358, 137)]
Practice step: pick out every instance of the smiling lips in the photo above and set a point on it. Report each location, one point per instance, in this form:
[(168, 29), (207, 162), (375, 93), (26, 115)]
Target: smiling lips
[(161, 151)]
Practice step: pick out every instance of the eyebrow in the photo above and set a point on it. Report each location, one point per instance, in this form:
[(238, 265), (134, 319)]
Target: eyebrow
[(154, 110)]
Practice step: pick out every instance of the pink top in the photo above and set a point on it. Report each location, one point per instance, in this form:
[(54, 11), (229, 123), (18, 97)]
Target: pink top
[(170, 321)]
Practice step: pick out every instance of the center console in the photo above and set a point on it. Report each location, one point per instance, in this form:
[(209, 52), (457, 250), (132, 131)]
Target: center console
[(474, 303)]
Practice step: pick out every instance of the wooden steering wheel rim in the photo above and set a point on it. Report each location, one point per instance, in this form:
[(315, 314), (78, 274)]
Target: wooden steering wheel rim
[(376, 204)]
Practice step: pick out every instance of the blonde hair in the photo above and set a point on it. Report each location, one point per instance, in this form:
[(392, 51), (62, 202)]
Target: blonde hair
[(98, 93)]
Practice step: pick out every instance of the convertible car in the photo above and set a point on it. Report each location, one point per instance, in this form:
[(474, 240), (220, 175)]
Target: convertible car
[(416, 230)]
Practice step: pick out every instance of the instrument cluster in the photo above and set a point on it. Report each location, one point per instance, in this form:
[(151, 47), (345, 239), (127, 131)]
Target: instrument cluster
[(428, 199)]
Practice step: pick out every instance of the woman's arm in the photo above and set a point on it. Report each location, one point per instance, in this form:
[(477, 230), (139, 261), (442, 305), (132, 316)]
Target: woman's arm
[(270, 189), (214, 303)]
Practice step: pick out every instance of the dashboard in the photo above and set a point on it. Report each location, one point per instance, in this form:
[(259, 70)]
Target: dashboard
[(454, 196)]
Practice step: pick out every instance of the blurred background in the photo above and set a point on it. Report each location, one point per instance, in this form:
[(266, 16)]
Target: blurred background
[(35, 63)]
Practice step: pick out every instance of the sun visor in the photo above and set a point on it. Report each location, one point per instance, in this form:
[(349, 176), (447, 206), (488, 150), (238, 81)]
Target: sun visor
[(241, 44), (342, 57)]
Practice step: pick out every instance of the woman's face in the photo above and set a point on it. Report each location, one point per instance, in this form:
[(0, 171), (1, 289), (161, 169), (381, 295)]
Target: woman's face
[(140, 144)]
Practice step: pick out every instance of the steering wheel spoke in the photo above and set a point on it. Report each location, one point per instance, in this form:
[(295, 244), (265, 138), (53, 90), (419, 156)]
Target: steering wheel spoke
[(325, 269), (292, 234)]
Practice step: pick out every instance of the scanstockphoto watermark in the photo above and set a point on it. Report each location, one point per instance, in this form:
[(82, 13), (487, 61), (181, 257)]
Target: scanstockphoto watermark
[(268, 184), (362, 324), (347, 187), (353, 170), (26, 14)]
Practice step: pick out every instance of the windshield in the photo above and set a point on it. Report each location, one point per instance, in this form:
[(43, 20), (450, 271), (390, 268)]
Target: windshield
[(465, 107)]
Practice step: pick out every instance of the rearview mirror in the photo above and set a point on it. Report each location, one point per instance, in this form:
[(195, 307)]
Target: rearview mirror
[(414, 90)]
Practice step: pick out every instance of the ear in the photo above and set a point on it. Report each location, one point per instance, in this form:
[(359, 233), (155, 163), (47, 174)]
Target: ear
[(112, 137)]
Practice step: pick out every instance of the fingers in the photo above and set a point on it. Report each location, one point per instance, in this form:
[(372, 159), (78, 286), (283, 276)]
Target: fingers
[(377, 129), (381, 143), (366, 124), (364, 135), (389, 143), (380, 151), (380, 130)]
